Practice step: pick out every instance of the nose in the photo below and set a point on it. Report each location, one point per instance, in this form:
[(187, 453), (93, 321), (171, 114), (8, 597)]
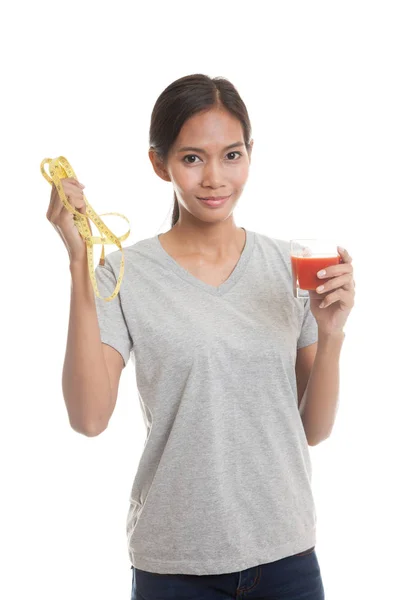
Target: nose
[(212, 175)]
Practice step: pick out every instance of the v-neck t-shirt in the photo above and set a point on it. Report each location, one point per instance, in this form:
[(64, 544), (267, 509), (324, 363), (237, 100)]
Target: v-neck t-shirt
[(224, 480)]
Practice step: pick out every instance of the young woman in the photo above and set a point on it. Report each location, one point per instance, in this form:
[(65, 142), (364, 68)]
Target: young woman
[(236, 377)]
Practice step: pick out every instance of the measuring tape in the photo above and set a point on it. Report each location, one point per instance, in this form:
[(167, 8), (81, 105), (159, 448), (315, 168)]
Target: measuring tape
[(60, 169)]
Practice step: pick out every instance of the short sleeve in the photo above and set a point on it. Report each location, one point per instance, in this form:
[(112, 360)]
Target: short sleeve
[(112, 323), (309, 330)]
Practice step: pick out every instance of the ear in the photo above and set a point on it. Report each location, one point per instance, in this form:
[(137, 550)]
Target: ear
[(158, 165), (250, 149)]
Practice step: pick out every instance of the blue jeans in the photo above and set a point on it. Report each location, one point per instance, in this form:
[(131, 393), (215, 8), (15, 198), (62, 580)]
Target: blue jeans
[(296, 577)]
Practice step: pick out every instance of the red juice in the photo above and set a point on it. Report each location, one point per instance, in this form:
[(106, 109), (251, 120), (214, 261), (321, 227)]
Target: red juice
[(305, 269)]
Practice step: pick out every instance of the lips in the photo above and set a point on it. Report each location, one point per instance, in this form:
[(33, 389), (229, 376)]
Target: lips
[(215, 198), (214, 202)]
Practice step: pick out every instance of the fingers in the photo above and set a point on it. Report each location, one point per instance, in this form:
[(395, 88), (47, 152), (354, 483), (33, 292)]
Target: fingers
[(343, 267), (341, 295), (344, 255), (332, 284), (335, 270), (73, 191), (76, 182)]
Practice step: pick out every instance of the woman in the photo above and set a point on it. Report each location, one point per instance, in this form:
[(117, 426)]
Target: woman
[(221, 505)]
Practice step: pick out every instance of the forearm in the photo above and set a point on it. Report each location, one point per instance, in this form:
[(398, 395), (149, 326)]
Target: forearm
[(85, 379), (320, 400)]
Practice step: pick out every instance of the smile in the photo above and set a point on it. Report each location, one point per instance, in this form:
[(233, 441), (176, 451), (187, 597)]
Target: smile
[(218, 201)]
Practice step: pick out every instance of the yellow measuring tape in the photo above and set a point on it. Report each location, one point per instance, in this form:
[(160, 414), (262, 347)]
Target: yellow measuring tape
[(60, 168)]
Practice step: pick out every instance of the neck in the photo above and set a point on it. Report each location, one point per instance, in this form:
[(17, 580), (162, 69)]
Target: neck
[(214, 241)]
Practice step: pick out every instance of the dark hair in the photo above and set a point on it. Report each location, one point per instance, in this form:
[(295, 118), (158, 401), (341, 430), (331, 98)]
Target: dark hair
[(184, 98)]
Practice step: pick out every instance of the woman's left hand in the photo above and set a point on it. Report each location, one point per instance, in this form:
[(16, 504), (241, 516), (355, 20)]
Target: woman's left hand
[(337, 304)]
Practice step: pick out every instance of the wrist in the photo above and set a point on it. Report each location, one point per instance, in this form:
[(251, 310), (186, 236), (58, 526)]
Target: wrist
[(331, 336), (77, 265)]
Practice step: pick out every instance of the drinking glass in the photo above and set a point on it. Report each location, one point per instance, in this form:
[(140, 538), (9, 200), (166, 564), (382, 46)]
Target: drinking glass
[(307, 258)]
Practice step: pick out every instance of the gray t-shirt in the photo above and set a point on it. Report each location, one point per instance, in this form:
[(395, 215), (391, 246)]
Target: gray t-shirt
[(224, 480)]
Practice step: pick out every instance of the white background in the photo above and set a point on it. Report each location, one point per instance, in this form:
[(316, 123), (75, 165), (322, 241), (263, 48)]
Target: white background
[(321, 84)]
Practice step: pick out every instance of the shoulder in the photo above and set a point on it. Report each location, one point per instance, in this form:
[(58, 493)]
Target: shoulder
[(274, 249), (132, 253), (278, 244)]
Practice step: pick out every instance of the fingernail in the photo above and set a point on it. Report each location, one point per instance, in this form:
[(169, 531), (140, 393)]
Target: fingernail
[(341, 249), (321, 273)]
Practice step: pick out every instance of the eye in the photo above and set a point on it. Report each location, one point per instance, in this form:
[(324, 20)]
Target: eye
[(191, 155)]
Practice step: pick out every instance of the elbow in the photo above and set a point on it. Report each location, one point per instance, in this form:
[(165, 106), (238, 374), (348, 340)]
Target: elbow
[(86, 427), (88, 430), (316, 441), (313, 442), (93, 432)]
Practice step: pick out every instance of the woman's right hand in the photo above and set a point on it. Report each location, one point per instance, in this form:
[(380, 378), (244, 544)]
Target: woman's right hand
[(63, 220)]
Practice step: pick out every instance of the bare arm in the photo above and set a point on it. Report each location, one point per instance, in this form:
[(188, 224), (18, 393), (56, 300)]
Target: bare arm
[(319, 403), (85, 379)]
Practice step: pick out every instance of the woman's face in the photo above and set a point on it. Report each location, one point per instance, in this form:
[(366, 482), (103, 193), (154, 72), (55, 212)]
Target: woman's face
[(214, 171)]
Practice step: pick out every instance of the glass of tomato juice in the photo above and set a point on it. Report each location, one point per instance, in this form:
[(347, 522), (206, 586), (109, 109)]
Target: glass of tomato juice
[(307, 258)]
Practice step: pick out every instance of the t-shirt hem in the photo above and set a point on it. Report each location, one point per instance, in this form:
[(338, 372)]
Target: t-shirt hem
[(218, 565), (117, 346), (307, 341)]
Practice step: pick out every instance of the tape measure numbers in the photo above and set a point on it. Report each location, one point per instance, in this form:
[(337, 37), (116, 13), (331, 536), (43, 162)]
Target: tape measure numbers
[(60, 168)]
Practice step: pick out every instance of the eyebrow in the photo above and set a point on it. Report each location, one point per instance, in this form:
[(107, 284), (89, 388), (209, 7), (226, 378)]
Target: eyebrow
[(192, 149)]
